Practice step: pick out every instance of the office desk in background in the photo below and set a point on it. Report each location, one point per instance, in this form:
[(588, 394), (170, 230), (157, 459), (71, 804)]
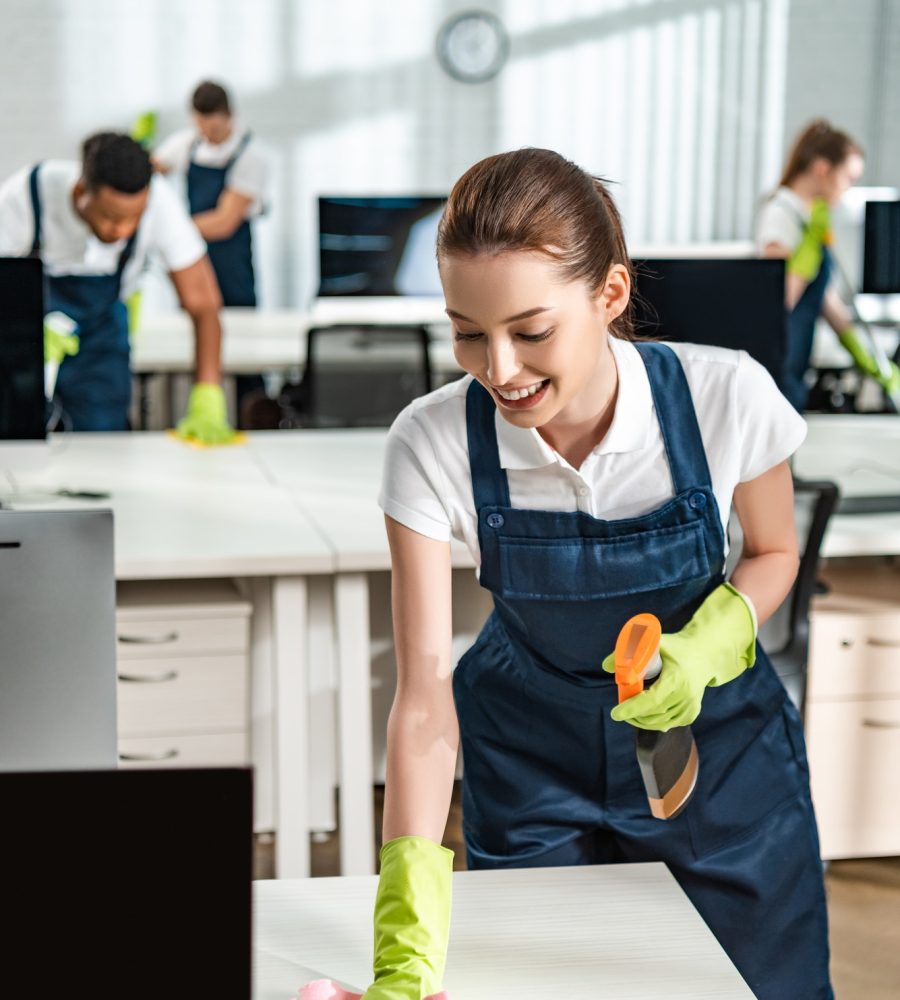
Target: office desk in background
[(582, 934)]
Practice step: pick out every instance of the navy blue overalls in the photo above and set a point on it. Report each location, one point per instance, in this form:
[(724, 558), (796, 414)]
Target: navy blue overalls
[(93, 386), (801, 331), (232, 258), (550, 779)]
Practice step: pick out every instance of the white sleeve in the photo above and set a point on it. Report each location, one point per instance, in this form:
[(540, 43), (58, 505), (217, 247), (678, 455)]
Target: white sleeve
[(769, 428), (172, 231), (172, 153), (16, 216), (777, 224), (411, 481), (248, 176)]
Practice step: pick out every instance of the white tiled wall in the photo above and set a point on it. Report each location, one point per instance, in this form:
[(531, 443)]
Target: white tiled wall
[(686, 104)]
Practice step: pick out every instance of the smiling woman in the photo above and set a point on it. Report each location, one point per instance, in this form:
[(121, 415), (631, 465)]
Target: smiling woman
[(592, 479)]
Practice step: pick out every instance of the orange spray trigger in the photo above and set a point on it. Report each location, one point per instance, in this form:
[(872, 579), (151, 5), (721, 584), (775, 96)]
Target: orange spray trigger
[(637, 654)]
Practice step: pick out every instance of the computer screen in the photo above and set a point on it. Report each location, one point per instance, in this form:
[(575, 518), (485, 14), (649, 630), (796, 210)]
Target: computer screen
[(735, 303), (22, 405), (881, 248), (130, 884), (379, 246)]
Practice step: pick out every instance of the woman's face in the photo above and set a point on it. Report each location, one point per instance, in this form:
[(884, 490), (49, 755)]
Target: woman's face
[(536, 342), (836, 180)]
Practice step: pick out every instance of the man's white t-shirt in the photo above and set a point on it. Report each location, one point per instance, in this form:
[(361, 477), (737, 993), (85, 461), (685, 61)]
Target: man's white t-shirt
[(68, 246), (747, 427), (248, 175), (781, 220)]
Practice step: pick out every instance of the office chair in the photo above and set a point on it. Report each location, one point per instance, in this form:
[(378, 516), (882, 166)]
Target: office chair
[(790, 659), (355, 376)]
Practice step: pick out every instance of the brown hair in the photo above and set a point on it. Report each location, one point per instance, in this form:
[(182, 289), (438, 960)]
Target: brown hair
[(210, 98), (535, 199), (819, 140)]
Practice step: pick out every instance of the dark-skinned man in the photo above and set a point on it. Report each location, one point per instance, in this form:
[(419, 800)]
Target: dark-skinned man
[(225, 175), (93, 225)]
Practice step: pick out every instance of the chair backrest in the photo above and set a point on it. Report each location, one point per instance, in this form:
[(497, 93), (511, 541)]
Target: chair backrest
[(790, 658), (362, 376)]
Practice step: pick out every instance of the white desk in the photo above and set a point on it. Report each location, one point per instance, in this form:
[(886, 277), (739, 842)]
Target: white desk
[(181, 512), (264, 340), (579, 933), (861, 453)]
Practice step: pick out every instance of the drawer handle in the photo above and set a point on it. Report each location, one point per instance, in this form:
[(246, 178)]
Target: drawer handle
[(880, 724), (169, 675), (884, 643), (165, 755), (149, 640)]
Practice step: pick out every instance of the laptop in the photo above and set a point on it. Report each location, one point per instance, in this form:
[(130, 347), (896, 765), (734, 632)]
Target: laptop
[(58, 636), (377, 260), (128, 885)]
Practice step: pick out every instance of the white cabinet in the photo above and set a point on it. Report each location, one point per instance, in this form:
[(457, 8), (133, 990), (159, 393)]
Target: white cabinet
[(183, 673), (853, 710)]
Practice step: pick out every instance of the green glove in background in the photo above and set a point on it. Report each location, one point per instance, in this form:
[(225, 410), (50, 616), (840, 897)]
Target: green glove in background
[(865, 361), (716, 645), (206, 420), (806, 260), (59, 344), (412, 919), (143, 129)]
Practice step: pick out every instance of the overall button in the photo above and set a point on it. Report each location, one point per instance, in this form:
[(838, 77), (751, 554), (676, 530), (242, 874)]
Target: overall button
[(495, 520), (697, 501), (583, 491)]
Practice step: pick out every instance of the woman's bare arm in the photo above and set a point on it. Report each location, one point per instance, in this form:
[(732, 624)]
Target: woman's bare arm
[(423, 734)]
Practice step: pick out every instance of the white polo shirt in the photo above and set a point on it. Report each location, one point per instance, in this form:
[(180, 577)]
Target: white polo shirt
[(67, 244), (248, 176), (747, 427), (781, 220)]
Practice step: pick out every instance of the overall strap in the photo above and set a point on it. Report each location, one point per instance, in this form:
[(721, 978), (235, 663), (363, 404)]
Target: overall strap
[(489, 482), (677, 417), (36, 209), (236, 155)]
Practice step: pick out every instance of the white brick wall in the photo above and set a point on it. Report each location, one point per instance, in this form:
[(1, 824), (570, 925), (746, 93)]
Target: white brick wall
[(683, 102)]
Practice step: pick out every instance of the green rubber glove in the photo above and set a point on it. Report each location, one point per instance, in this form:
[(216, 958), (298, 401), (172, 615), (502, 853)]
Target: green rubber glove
[(865, 361), (716, 645), (806, 260), (58, 344), (206, 420), (412, 919), (143, 129)]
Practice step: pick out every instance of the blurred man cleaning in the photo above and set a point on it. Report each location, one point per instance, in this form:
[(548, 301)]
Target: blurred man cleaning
[(93, 225), (226, 175)]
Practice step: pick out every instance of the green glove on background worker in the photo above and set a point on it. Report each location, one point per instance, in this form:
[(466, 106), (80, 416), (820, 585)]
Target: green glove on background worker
[(412, 919), (717, 645), (60, 341), (889, 380), (806, 260), (206, 420)]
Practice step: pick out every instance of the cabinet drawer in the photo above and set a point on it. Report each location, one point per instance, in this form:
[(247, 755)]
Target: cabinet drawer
[(180, 637), (204, 694), (854, 759), (218, 750), (854, 656)]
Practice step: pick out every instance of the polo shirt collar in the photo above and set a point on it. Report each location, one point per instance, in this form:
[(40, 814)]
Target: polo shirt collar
[(524, 448)]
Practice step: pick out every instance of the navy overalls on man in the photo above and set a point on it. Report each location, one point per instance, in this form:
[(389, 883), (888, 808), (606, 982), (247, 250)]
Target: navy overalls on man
[(93, 387), (551, 780), (231, 258), (801, 332)]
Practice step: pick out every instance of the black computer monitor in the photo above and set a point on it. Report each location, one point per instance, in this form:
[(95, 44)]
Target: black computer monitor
[(733, 302), (881, 248), (128, 884), (379, 246), (22, 405)]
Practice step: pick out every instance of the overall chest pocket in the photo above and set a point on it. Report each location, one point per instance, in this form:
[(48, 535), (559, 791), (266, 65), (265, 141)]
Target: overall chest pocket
[(587, 569)]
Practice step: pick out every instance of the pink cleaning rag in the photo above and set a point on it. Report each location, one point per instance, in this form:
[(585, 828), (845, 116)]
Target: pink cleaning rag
[(325, 989)]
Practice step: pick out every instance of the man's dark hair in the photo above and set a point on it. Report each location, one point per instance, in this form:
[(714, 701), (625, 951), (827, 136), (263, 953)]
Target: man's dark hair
[(210, 98), (117, 161)]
